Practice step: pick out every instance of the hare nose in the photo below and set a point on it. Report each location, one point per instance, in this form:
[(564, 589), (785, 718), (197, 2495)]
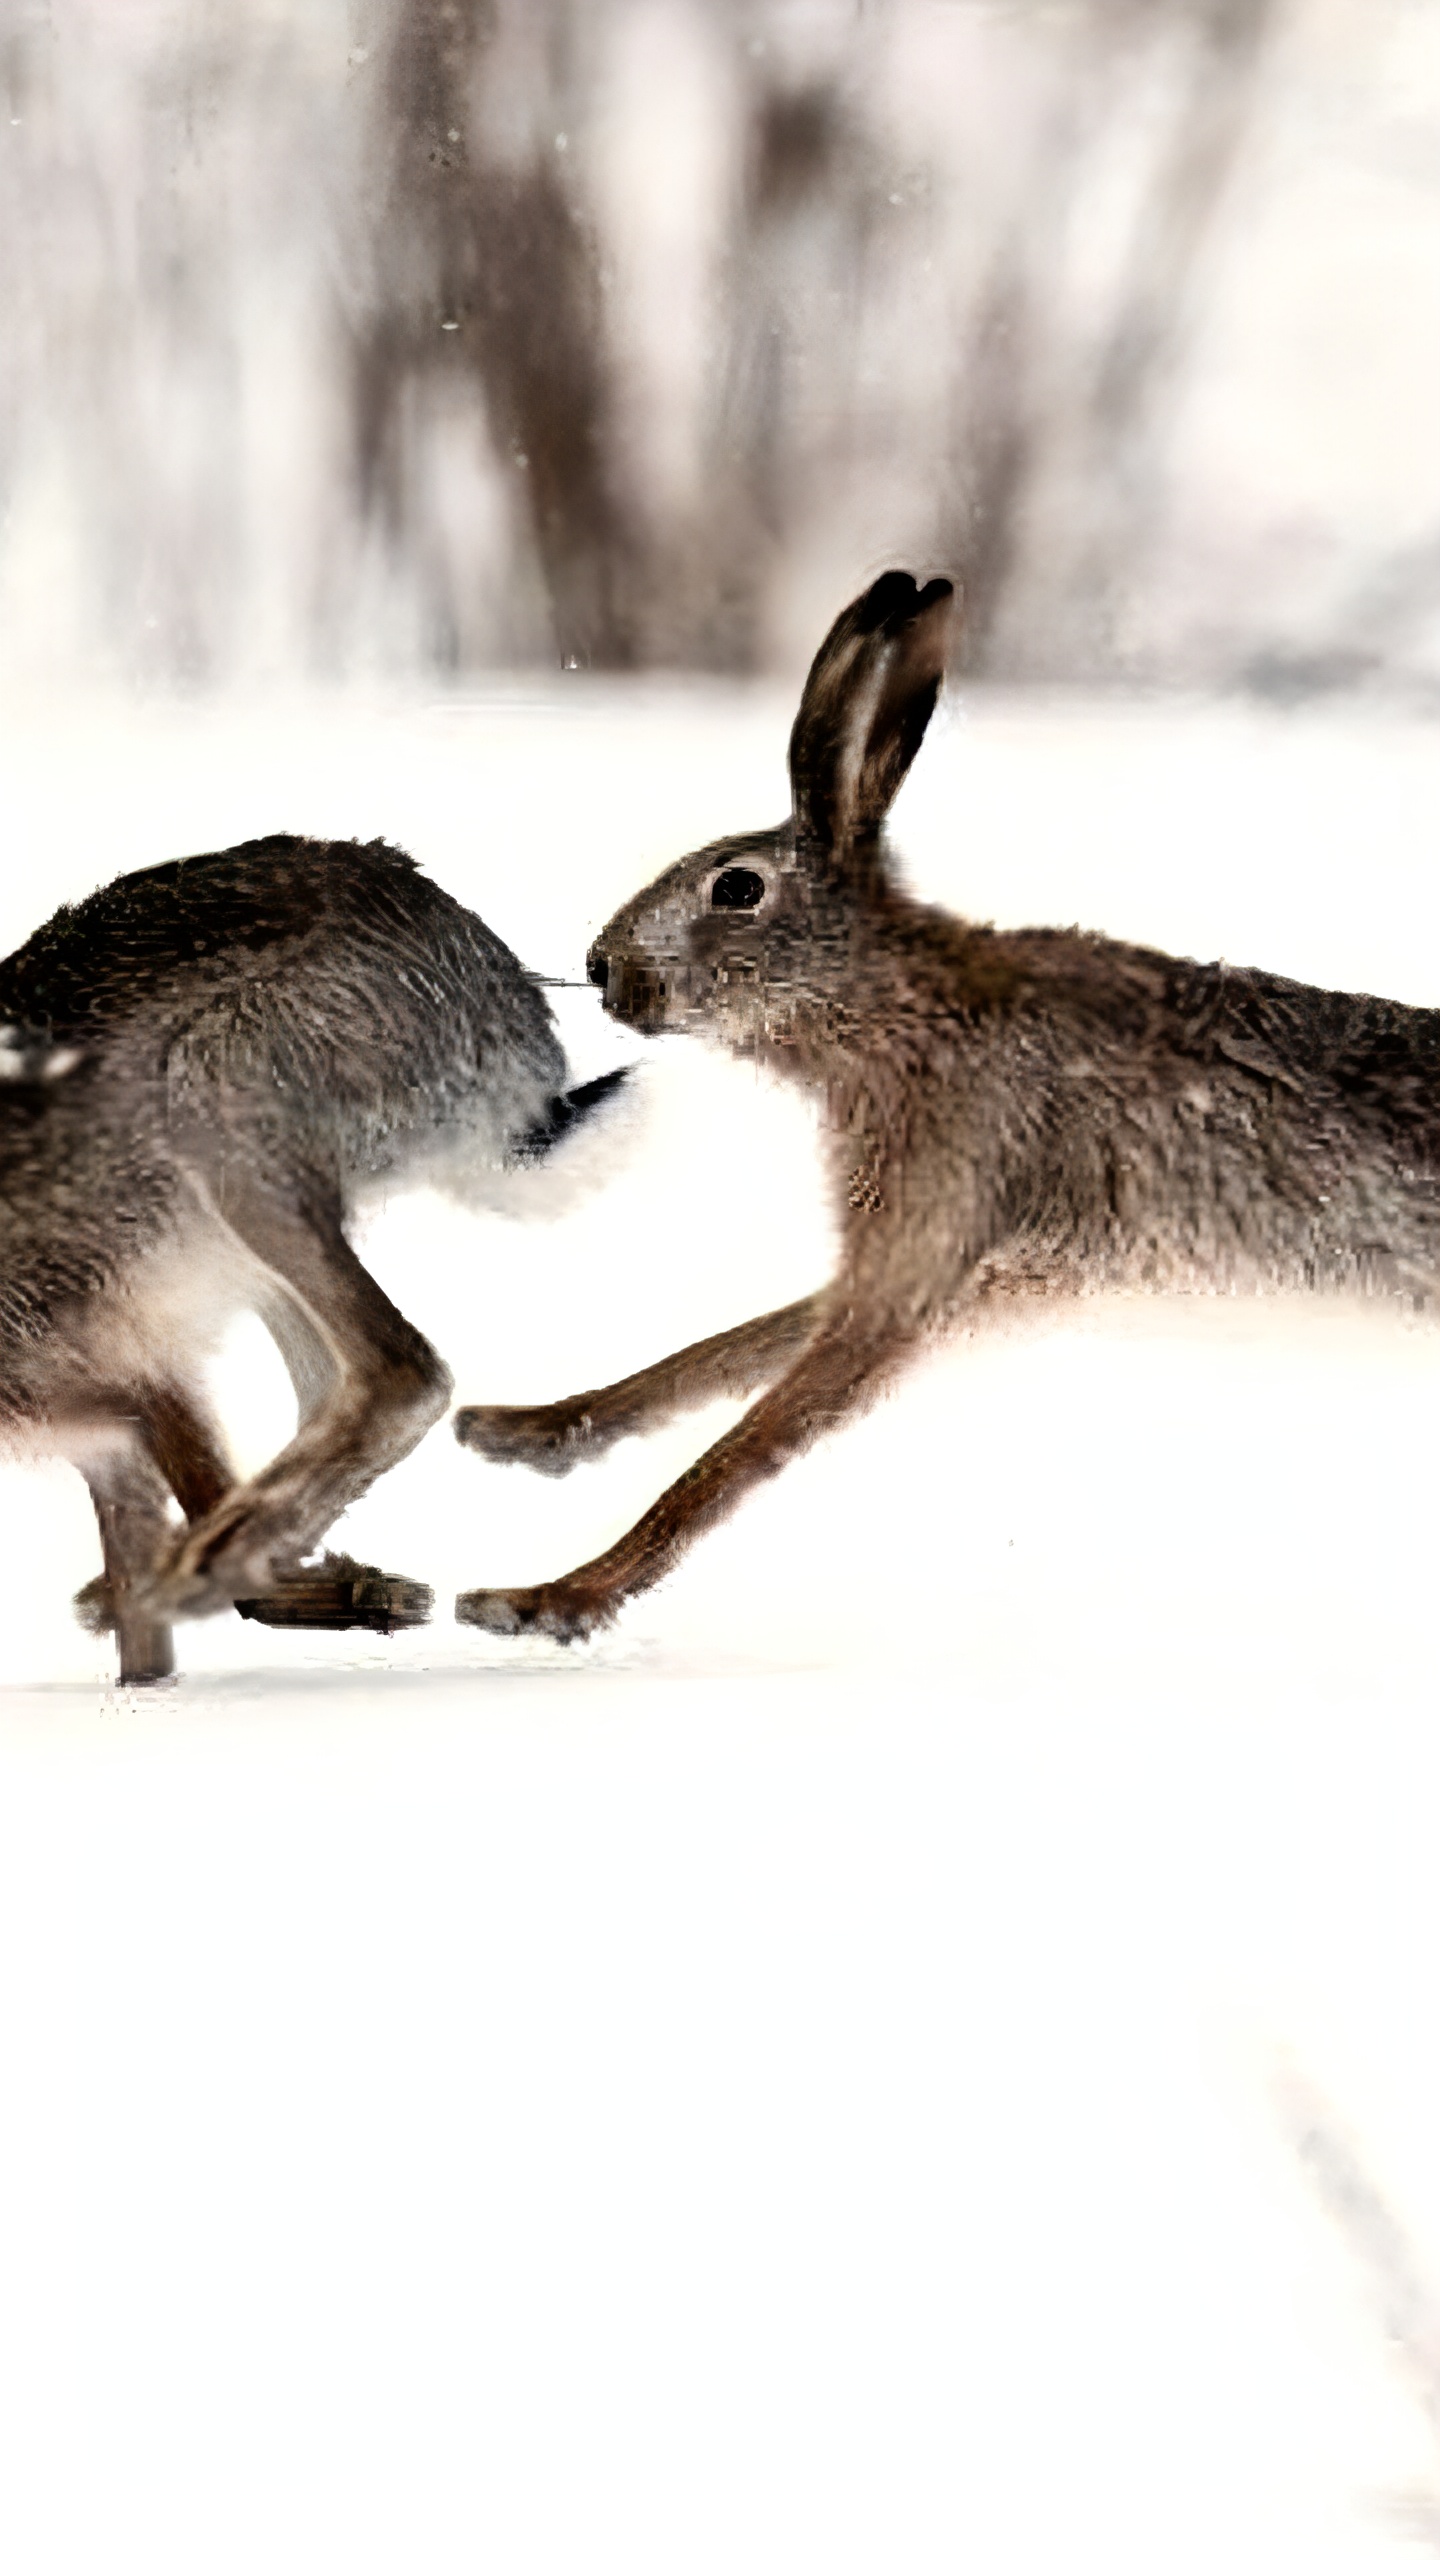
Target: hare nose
[(597, 969)]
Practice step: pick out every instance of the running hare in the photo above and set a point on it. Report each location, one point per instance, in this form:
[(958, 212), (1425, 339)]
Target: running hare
[(201, 1068), (1009, 1115)]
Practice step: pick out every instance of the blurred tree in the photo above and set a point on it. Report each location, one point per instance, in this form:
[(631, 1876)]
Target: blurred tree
[(1043, 490), (438, 334), (488, 271), (1057, 560)]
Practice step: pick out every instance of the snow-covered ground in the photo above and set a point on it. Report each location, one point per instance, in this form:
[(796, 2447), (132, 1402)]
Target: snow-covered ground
[(802, 2076)]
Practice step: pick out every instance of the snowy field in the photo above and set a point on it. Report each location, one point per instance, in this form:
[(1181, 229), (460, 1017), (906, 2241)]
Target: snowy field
[(804, 2076)]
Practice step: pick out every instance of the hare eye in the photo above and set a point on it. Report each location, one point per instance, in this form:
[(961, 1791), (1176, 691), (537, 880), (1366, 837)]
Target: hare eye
[(738, 888)]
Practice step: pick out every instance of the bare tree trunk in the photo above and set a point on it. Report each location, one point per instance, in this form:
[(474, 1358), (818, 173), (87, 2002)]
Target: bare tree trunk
[(488, 274)]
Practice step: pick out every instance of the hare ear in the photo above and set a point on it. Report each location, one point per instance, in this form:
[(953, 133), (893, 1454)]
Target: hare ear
[(865, 708)]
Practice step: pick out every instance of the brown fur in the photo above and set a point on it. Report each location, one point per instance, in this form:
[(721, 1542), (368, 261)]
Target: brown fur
[(1009, 1116)]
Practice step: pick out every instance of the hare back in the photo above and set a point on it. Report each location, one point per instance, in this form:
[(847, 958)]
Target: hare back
[(359, 1011), (1066, 1113)]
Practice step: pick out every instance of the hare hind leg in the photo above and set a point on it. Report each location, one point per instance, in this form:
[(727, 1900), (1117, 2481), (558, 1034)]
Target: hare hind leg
[(336, 1593), (553, 1438), (158, 1441), (385, 1388), (131, 1501)]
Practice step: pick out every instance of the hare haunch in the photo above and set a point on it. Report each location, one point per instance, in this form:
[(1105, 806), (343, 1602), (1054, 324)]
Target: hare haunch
[(202, 1067), (1008, 1115)]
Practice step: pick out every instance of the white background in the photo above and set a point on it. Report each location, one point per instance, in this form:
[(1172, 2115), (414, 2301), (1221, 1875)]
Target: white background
[(799, 2076)]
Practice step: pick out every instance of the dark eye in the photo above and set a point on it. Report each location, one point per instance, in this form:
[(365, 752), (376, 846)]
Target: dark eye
[(738, 888)]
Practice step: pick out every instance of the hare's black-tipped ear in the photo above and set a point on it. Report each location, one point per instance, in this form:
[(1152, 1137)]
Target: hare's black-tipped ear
[(865, 708)]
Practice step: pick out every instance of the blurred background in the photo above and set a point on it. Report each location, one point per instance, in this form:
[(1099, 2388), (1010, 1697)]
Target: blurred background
[(417, 338)]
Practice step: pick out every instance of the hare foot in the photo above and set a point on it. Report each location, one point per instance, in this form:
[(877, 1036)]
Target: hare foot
[(338, 1593), (551, 1438), (239, 1551), (147, 1650), (569, 1611)]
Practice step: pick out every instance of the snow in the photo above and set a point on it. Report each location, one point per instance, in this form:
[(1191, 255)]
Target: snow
[(806, 2074)]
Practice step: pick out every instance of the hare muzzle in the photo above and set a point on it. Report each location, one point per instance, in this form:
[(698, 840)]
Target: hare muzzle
[(632, 990)]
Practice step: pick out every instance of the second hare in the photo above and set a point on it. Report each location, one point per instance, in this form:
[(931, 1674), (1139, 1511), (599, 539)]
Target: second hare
[(1009, 1116), (205, 1069)]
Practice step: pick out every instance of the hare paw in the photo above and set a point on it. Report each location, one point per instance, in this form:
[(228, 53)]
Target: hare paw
[(568, 1612), (338, 1593), (551, 1438)]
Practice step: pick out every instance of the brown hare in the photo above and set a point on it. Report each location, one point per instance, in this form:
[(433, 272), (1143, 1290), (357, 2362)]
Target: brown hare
[(203, 1068), (1009, 1116)]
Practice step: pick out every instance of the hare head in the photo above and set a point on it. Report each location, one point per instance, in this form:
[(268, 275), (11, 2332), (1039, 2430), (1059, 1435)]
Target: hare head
[(741, 940)]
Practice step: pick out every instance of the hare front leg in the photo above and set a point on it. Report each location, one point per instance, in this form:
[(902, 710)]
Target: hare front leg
[(838, 1373), (553, 1438), (387, 1387)]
